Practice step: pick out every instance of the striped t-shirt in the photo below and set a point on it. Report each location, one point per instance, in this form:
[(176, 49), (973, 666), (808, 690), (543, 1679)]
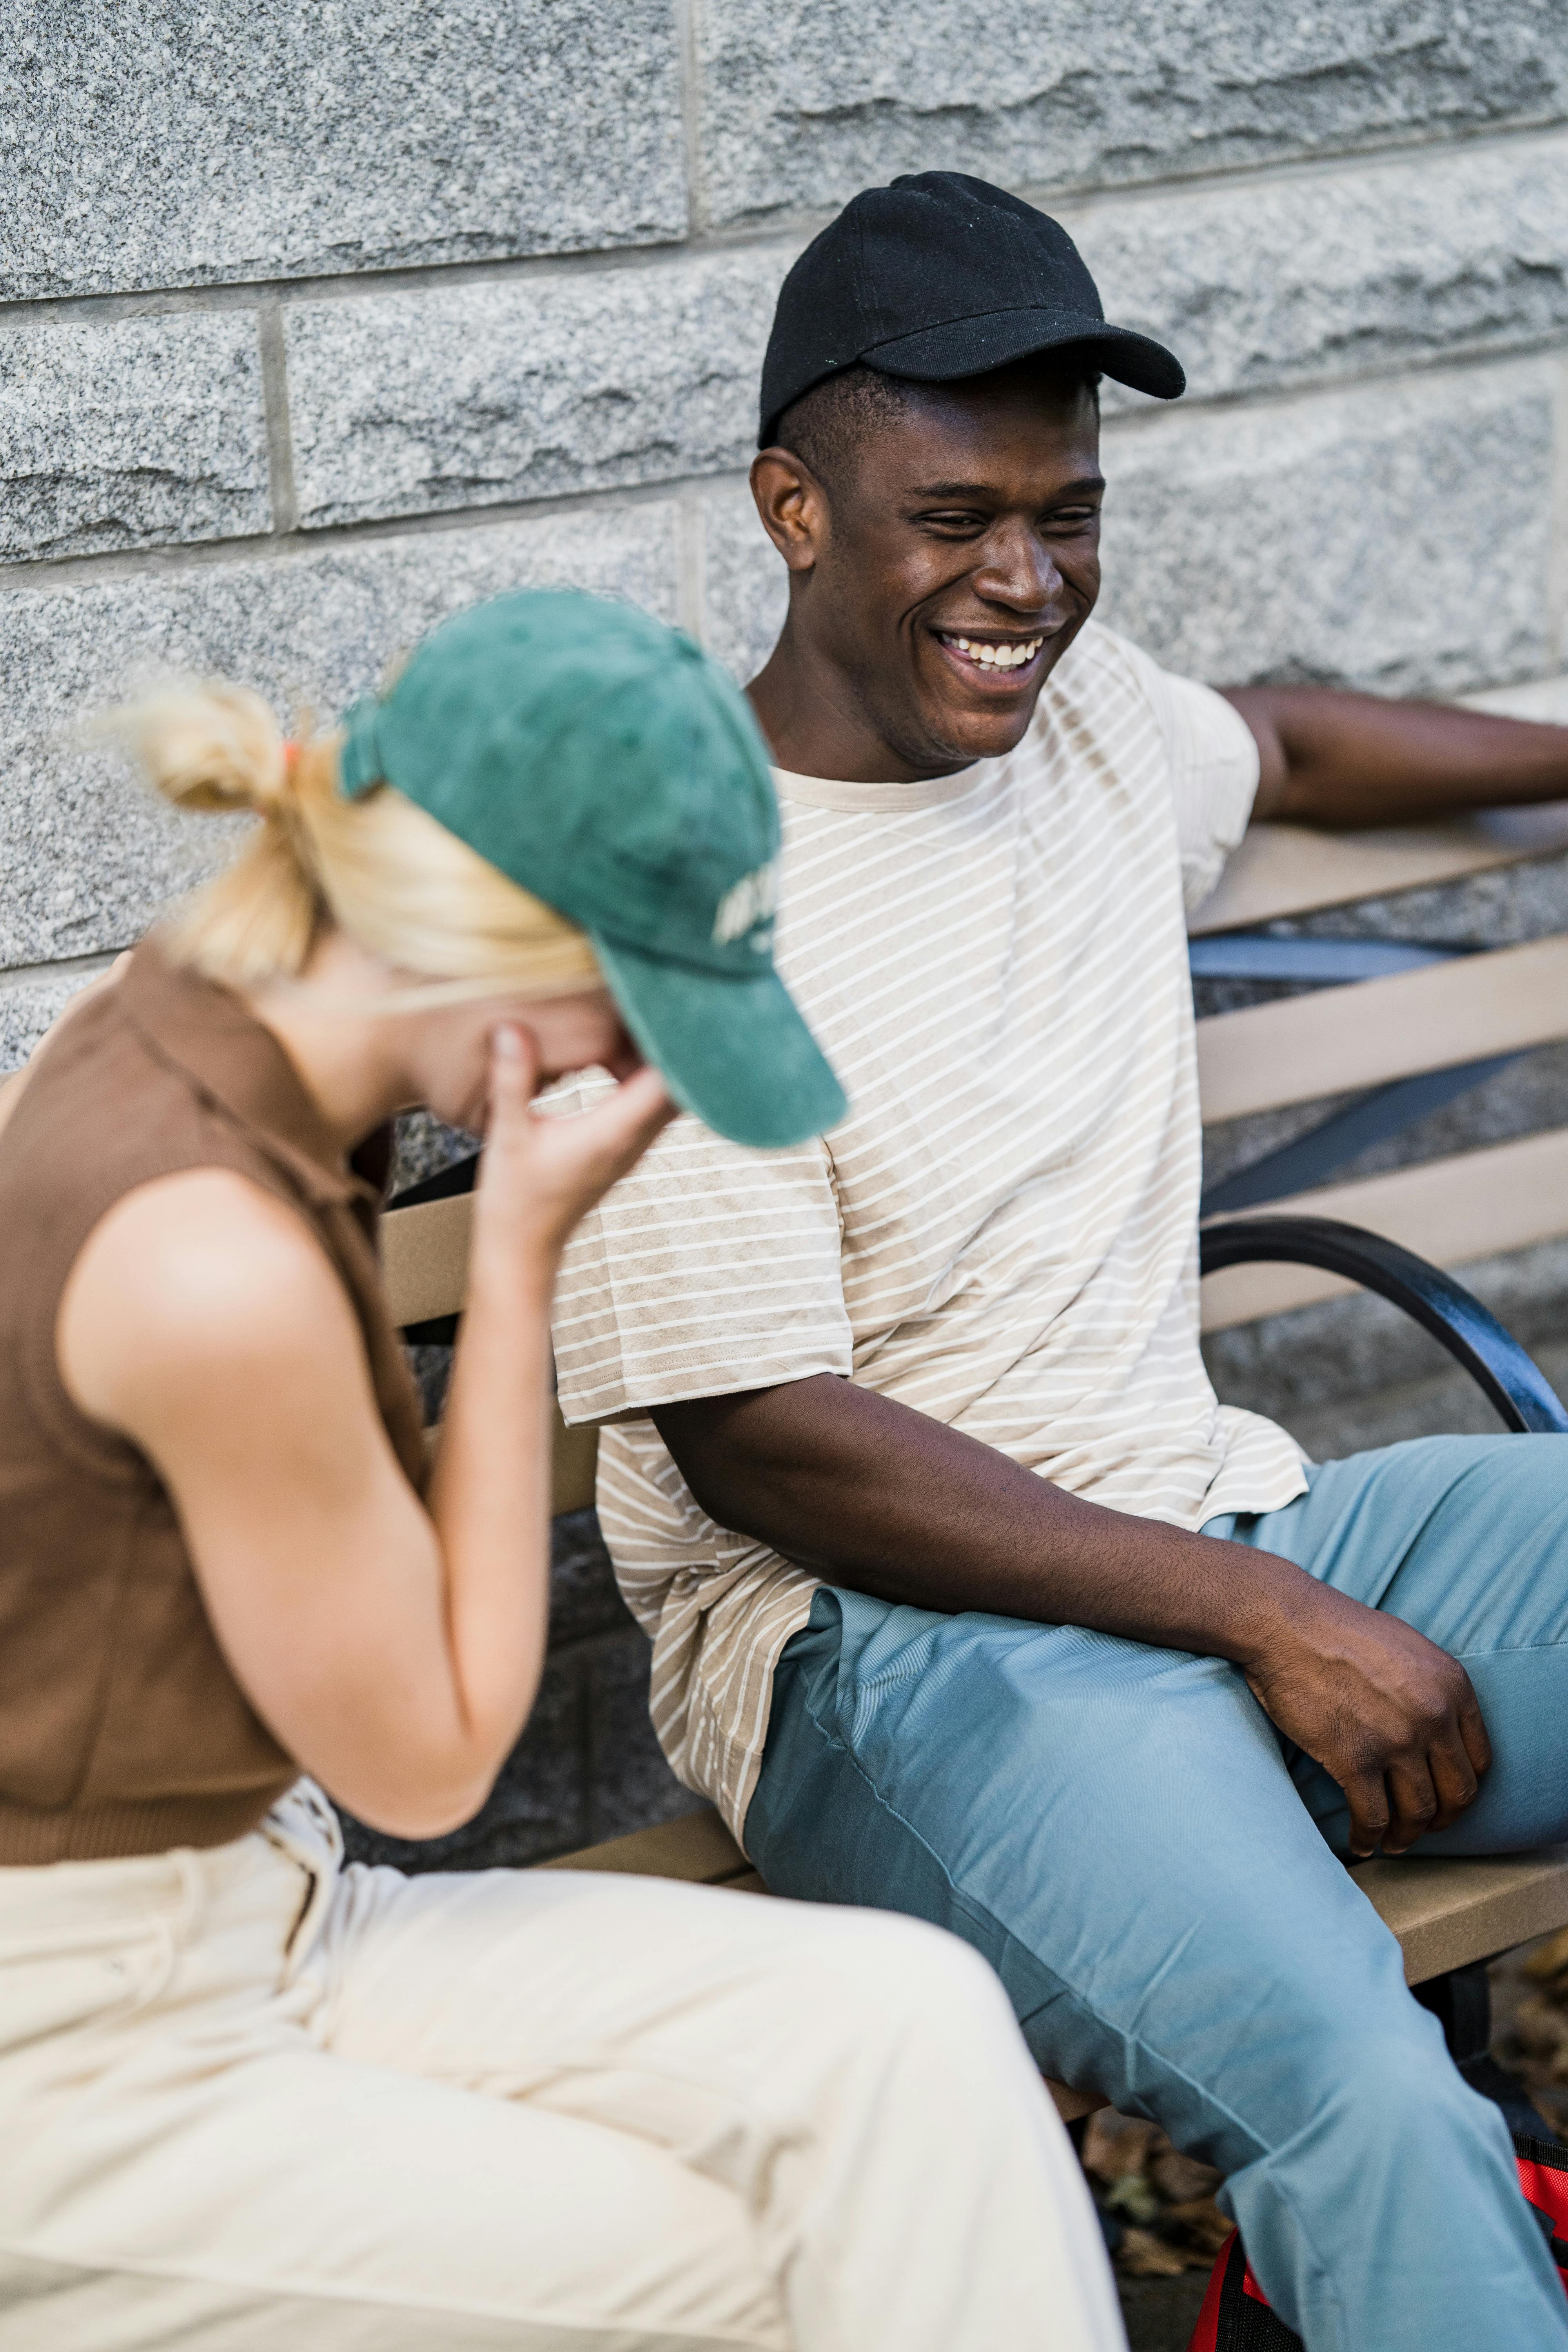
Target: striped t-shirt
[(1001, 1233)]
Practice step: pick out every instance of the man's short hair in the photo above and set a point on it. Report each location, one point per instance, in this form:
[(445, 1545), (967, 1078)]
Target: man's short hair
[(829, 426)]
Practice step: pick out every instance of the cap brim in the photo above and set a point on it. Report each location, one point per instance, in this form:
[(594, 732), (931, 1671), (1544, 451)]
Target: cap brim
[(735, 1051), (965, 347)]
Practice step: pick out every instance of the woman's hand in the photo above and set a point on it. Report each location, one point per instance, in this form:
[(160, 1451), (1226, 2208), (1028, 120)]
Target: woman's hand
[(541, 1174)]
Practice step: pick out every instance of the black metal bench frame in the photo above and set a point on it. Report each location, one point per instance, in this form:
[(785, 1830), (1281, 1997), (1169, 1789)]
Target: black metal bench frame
[(1515, 1386)]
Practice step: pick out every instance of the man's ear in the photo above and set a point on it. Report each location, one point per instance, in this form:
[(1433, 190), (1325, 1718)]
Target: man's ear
[(792, 504)]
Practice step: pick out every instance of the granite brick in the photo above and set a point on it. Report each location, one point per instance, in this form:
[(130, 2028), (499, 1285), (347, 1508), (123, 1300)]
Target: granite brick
[(1445, 1403), (131, 433), (803, 101), (584, 1596), (744, 582), (28, 1006), (587, 1767), (1438, 1400), (175, 143), (88, 857), (432, 1370), (1544, 699), (473, 393), (1502, 908), (630, 1786), (1392, 537), (422, 1146), (1442, 251), (469, 395)]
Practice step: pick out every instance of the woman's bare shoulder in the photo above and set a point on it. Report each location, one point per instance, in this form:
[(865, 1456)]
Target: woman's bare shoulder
[(186, 1272)]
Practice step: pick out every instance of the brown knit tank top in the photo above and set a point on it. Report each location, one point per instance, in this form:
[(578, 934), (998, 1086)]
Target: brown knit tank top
[(123, 1729)]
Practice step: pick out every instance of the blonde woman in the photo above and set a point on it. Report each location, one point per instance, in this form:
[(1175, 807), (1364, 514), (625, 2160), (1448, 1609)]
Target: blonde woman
[(249, 2099)]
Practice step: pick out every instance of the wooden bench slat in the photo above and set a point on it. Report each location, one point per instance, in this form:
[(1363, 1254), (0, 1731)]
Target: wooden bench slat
[(1505, 1196), (1447, 1914), (574, 1461), (697, 1847), (1337, 1040), (1444, 1913), (425, 1259), (700, 1849), (1293, 869)]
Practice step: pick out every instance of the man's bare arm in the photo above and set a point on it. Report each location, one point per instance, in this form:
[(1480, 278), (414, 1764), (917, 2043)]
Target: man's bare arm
[(885, 1500), (1346, 760)]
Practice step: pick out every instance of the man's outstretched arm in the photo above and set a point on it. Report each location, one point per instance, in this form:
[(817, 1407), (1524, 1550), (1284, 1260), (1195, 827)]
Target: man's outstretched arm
[(881, 1499), (1336, 758)]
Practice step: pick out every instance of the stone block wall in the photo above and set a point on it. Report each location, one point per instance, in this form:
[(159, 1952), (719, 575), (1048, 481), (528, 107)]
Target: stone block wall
[(317, 323)]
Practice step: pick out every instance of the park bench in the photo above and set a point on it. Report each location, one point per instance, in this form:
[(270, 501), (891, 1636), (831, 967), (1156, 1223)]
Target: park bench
[(1405, 1027)]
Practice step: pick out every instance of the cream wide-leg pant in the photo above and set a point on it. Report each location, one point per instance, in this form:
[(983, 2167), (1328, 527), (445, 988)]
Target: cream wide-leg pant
[(250, 2101)]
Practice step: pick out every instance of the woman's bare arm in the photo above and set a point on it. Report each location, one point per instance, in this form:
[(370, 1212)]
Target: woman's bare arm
[(394, 1649)]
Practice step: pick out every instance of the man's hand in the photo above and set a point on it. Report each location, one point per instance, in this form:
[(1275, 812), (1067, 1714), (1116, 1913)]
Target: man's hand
[(882, 1499), (1390, 1716)]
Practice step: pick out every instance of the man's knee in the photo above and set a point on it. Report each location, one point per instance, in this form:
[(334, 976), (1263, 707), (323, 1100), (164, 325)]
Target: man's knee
[(1390, 2093)]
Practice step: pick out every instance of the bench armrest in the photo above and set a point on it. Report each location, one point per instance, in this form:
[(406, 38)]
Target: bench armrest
[(1510, 1379), (457, 1177)]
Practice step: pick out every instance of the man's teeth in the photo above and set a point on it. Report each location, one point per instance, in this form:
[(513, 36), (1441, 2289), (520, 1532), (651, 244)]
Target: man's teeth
[(991, 655)]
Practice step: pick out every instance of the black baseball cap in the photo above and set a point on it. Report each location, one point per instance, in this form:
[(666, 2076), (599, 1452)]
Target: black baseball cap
[(938, 277)]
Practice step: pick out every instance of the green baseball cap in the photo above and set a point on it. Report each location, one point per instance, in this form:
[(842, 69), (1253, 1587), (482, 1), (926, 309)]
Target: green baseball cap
[(607, 765)]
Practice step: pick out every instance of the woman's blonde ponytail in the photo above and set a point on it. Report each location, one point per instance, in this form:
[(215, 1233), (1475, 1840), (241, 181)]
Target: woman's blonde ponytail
[(219, 749), (389, 875), (209, 747)]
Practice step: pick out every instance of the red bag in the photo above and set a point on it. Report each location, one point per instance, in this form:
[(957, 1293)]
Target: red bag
[(1236, 2318)]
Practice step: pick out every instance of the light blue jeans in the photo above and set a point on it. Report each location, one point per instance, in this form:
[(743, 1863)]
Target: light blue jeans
[(1155, 1876)]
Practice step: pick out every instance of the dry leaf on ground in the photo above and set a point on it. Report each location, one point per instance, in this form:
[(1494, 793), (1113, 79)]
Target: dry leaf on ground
[(1133, 2195), (1201, 2225), (1142, 2255), (1540, 2028), (1115, 2145), (1548, 1960), (1181, 2178)]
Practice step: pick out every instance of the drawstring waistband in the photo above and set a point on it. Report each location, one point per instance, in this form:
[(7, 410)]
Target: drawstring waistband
[(93, 1906), (303, 1826)]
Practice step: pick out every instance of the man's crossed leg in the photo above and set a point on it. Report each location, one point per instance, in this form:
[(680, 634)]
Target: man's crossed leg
[(1155, 1875)]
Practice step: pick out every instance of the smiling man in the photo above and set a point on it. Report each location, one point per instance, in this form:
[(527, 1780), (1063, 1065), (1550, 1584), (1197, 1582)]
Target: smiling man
[(968, 1598)]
